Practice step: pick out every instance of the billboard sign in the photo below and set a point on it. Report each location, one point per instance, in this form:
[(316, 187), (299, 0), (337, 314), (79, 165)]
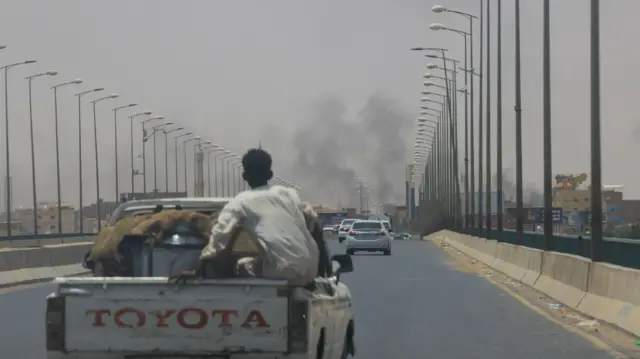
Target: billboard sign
[(536, 214)]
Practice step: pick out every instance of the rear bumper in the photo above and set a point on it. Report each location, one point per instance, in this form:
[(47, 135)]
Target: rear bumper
[(372, 246)]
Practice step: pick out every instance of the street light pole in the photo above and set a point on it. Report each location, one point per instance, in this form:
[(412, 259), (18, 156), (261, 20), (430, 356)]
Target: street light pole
[(471, 92), (95, 139), (33, 152), (186, 186), (518, 110), (215, 173), (133, 171), (546, 77), (480, 115), (596, 151), (115, 138), (499, 120), (144, 151), (9, 185), (81, 205), (175, 155), (166, 156), (57, 138), (488, 121), (154, 130)]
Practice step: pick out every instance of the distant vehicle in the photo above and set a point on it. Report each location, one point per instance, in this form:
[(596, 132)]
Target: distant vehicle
[(344, 228), (387, 226), (368, 236), (402, 236), (327, 228), (142, 314)]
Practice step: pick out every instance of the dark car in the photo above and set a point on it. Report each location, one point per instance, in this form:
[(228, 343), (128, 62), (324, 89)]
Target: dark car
[(402, 236)]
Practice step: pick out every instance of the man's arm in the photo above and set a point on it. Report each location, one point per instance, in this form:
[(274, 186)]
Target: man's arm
[(229, 220)]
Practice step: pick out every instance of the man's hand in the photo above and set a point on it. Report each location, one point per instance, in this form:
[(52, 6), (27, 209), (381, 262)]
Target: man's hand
[(184, 276)]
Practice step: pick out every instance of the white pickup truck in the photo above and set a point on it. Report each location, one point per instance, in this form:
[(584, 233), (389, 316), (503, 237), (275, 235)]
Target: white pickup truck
[(146, 316)]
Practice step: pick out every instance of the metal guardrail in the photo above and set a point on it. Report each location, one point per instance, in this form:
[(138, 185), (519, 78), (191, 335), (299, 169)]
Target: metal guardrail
[(619, 251), (23, 237)]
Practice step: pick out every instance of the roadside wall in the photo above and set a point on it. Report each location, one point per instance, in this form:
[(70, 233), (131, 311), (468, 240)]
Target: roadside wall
[(603, 291), (38, 264)]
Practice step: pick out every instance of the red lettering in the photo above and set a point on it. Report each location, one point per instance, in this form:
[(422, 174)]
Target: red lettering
[(255, 316), (225, 313), (124, 311), (202, 320), (98, 319), (160, 317)]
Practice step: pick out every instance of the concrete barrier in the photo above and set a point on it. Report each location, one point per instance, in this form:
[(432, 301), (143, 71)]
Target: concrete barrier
[(564, 277), (603, 291), (614, 296), (39, 275), (38, 264)]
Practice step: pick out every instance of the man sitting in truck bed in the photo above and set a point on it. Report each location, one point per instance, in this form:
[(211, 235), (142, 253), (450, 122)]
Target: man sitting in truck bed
[(277, 220)]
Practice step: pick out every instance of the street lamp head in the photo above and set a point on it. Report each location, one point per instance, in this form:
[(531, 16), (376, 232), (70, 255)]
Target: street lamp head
[(30, 62), (187, 134), (432, 66), (178, 129), (157, 118), (428, 75), (146, 113), (113, 95), (429, 83), (52, 73), (197, 137), (2, 47), (208, 142), (98, 89), (439, 9), (168, 124), (437, 27), (132, 104), (77, 81)]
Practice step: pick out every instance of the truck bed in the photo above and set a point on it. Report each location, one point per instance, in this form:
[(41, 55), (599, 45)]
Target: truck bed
[(146, 315)]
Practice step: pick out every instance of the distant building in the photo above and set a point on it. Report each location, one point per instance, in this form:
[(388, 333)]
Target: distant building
[(47, 218)]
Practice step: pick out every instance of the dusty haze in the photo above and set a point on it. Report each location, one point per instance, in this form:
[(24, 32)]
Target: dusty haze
[(328, 86)]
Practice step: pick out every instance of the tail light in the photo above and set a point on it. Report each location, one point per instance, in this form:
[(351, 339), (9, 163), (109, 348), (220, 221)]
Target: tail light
[(352, 233), (54, 325), (381, 233)]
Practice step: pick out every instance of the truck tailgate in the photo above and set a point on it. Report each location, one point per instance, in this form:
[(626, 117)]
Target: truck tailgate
[(150, 315)]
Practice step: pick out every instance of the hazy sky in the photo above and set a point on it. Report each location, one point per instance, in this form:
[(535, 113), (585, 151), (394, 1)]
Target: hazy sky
[(239, 72)]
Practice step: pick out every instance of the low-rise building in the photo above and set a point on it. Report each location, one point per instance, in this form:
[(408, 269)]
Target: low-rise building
[(47, 218)]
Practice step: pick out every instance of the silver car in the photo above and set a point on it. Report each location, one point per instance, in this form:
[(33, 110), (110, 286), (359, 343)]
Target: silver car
[(368, 236), (344, 228)]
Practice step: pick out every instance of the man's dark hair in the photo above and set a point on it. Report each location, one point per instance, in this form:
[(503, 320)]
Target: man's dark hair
[(256, 164)]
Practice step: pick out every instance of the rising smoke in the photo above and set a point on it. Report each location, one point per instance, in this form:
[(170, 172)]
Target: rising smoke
[(531, 195), (330, 150)]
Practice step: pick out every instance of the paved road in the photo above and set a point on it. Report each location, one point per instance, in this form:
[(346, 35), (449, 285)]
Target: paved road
[(413, 306), (410, 305)]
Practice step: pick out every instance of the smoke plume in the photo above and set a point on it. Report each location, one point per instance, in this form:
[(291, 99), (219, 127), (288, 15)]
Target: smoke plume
[(330, 149), (531, 195)]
